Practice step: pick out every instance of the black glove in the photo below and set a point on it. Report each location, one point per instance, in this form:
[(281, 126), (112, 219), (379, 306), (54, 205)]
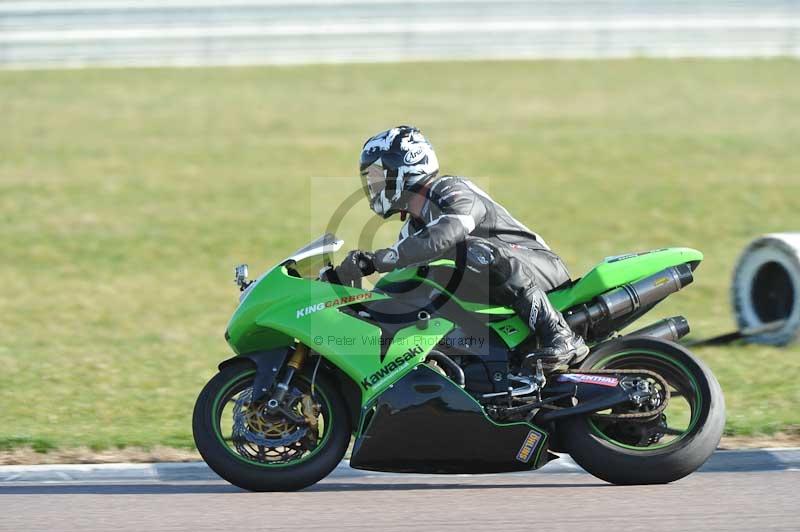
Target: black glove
[(356, 265), (385, 260)]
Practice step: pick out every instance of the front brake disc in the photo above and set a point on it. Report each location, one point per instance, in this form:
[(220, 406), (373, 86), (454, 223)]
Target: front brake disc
[(253, 424)]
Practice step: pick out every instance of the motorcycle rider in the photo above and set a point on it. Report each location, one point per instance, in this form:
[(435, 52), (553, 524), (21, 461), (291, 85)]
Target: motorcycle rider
[(399, 171)]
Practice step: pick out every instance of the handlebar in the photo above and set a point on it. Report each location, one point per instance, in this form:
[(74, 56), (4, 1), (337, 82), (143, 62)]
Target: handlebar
[(364, 265), (328, 275)]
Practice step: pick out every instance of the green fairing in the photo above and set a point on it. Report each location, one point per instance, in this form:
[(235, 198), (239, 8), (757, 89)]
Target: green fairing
[(280, 308), (512, 330), (409, 347), (268, 316)]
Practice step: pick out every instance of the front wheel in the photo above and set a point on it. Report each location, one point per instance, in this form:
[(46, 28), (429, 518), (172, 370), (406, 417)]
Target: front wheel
[(261, 450), (658, 449)]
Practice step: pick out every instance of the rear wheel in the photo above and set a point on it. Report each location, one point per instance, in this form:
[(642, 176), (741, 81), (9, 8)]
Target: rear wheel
[(649, 449), (262, 450)]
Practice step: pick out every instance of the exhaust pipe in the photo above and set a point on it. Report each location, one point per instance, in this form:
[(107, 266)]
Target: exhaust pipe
[(444, 360), (672, 329), (630, 297)]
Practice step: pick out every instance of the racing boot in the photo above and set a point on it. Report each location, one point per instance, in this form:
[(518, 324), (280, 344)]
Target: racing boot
[(558, 344)]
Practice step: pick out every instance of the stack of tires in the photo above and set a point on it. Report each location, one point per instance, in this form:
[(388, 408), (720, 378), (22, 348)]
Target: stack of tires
[(766, 289)]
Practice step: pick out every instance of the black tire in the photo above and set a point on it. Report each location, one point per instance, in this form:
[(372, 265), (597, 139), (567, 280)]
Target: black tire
[(255, 477), (610, 461)]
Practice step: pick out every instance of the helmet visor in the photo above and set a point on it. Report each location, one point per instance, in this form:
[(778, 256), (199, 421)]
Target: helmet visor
[(373, 179)]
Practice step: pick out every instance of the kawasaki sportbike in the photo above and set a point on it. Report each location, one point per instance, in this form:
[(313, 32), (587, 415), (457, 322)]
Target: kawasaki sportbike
[(428, 378)]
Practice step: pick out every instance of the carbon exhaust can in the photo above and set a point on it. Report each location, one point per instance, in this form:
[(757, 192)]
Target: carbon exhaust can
[(645, 292), (672, 329)]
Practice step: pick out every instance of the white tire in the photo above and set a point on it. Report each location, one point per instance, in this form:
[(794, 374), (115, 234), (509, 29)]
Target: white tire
[(766, 288)]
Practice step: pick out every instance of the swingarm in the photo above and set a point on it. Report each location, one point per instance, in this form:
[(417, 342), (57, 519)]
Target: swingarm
[(644, 394)]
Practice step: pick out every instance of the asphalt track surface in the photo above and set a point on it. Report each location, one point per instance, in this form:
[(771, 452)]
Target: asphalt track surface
[(527, 501)]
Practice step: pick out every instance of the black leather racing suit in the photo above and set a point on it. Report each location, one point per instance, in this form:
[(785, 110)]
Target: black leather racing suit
[(513, 263), (500, 249)]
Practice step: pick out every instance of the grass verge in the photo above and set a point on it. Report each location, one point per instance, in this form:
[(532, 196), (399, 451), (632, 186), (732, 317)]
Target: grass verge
[(127, 195)]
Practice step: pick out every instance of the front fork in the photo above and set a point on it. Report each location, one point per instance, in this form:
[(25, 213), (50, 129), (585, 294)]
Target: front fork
[(295, 363)]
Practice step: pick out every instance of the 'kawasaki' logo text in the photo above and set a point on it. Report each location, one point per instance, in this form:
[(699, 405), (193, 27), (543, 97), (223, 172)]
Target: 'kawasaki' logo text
[(305, 311), (398, 361)]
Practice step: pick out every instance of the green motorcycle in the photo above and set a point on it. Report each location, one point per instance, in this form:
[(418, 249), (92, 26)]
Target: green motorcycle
[(428, 377)]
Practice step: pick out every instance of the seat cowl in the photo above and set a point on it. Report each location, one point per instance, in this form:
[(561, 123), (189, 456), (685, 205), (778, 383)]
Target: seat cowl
[(617, 271)]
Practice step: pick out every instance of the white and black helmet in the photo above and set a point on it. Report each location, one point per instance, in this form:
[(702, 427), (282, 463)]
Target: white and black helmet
[(394, 162)]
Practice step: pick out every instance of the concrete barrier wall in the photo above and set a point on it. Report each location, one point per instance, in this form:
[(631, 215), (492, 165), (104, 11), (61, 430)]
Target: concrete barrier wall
[(203, 32)]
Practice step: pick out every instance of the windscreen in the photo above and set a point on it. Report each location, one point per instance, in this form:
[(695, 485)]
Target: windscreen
[(311, 258)]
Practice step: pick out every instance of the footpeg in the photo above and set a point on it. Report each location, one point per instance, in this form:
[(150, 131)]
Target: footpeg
[(531, 385)]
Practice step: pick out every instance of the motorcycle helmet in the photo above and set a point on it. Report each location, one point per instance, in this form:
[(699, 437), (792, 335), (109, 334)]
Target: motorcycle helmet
[(393, 163)]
